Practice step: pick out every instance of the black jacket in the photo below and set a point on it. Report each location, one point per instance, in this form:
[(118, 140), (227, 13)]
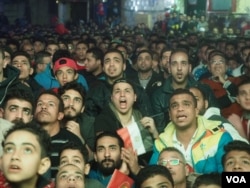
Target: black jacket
[(11, 82), (99, 96), (160, 100)]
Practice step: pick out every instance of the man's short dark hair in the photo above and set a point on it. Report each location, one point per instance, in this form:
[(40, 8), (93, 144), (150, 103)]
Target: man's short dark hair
[(207, 179), (42, 135), (74, 86), (97, 53), (183, 91), (21, 53), (145, 51), (112, 50), (151, 171), (109, 134), (40, 55), (51, 92), (20, 94), (243, 82), (179, 50), (73, 146), (235, 145)]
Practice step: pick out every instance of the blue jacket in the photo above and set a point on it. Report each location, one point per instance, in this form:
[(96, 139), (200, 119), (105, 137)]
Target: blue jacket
[(48, 81), (208, 147)]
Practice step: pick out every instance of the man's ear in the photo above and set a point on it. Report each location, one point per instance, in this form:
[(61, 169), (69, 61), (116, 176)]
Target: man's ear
[(187, 170), (76, 76), (237, 100), (60, 116), (206, 104), (82, 110), (95, 157), (86, 169), (45, 164), (31, 71), (1, 112)]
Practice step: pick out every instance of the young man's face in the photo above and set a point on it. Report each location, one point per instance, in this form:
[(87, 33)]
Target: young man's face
[(108, 154), (144, 62), (243, 98), (91, 63), (113, 65), (217, 66), (80, 51), (38, 46), (47, 109), (73, 156), (237, 161), (164, 63), (23, 64), (179, 67), (21, 151), (70, 176), (17, 110), (123, 97), (73, 103), (183, 111), (52, 48), (65, 74), (156, 181), (202, 104)]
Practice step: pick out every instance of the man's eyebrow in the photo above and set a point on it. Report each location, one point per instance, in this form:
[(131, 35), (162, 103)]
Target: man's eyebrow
[(23, 144)]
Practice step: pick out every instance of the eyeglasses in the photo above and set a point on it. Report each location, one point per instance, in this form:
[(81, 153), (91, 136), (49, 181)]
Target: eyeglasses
[(172, 162), (217, 62)]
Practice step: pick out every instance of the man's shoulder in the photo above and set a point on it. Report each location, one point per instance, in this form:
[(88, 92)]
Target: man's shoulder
[(93, 183)]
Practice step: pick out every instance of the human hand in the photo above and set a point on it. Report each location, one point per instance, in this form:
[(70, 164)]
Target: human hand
[(130, 158), (73, 127), (149, 124)]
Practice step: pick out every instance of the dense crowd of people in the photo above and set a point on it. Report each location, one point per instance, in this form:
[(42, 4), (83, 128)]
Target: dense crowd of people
[(103, 106)]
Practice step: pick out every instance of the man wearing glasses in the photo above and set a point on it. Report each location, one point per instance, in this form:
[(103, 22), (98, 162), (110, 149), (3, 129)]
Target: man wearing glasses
[(174, 160), (200, 140)]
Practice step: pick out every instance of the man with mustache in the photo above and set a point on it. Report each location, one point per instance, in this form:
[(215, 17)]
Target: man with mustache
[(75, 120), (49, 114), (109, 155), (174, 160), (180, 68), (17, 106)]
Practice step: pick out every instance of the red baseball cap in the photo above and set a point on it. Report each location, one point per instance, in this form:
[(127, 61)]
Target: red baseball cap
[(64, 62)]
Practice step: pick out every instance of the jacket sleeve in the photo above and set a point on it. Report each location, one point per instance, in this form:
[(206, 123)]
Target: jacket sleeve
[(160, 115), (225, 139), (155, 156)]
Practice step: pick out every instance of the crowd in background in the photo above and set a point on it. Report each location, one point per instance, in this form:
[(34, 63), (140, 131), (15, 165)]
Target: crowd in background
[(183, 87)]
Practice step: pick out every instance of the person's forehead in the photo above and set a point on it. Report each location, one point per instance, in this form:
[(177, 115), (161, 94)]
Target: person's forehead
[(217, 56), (72, 92), (65, 68), (244, 86), (237, 154), (48, 97), (113, 54), (20, 57), (107, 140), (71, 153), (22, 136), (170, 154), (181, 97), (143, 54), (179, 54), (122, 85), (19, 102), (196, 92)]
